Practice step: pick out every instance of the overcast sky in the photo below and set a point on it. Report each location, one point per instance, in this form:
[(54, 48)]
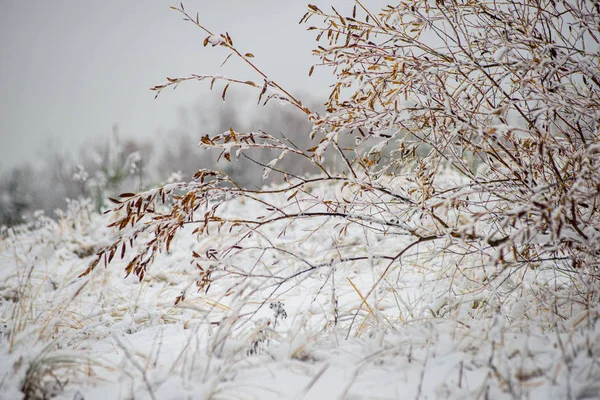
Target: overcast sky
[(72, 69)]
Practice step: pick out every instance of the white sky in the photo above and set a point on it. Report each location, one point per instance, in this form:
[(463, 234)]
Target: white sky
[(70, 70)]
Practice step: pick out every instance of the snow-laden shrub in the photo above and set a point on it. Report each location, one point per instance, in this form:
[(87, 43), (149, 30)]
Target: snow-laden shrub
[(506, 93)]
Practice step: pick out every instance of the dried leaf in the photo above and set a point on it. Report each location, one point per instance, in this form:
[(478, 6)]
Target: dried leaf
[(91, 267), (224, 92), (262, 92), (112, 254), (169, 239)]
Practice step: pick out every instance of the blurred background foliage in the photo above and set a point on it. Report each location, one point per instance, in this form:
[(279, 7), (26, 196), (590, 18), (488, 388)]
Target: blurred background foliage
[(119, 163)]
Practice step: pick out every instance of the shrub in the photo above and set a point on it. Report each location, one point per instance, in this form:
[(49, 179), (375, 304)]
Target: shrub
[(14, 196), (504, 93)]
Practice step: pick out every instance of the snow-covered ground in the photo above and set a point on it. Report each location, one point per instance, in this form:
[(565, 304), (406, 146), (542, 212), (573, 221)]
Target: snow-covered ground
[(430, 329)]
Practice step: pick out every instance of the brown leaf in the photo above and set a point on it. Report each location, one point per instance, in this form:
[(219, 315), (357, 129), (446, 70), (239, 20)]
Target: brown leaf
[(262, 92), (169, 239), (111, 255), (91, 267), (129, 267), (179, 299), (224, 91)]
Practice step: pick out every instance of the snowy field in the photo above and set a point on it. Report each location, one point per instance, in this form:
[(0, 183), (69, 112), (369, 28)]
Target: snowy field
[(335, 321)]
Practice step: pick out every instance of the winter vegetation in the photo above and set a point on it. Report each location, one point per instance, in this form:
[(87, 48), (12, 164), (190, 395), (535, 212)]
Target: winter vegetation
[(433, 232)]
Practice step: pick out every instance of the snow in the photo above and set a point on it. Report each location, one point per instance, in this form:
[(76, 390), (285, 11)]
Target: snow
[(216, 40), (426, 332), (498, 54)]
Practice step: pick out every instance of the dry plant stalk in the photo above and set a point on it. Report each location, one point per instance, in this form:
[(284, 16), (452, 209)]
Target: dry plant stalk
[(507, 93)]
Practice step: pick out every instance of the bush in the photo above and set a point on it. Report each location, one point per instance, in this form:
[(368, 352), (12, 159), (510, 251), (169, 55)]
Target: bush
[(504, 93), (14, 196)]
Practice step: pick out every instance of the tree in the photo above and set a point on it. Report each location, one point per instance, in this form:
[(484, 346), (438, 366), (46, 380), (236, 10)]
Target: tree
[(506, 94)]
